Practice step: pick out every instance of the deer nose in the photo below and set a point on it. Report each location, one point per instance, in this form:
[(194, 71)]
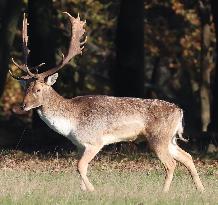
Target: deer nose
[(23, 106)]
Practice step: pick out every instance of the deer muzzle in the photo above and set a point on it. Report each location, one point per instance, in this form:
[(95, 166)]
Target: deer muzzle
[(25, 107)]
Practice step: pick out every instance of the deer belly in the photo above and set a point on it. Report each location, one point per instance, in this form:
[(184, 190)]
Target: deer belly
[(126, 132)]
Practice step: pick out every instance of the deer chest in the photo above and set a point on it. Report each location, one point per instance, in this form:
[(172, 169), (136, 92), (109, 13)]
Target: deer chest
[(59, 124)]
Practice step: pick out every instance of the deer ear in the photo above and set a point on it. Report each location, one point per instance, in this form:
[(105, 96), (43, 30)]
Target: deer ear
[(51, 79)]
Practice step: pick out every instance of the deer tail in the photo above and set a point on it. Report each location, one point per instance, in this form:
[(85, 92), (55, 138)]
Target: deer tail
[(180, 129)]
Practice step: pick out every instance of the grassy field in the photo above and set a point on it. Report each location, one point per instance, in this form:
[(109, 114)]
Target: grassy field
[(118, 179)]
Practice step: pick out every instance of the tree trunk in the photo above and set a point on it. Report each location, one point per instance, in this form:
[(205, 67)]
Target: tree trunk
[(42, 43), (9, 19), (128, 74), (42, 50), (206, 62), (214, 105)]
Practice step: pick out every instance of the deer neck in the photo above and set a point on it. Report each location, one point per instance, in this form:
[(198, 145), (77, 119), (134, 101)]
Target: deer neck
[(58, 113), (54, 105)]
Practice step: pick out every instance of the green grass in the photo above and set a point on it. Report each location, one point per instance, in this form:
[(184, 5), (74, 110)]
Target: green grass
[(55, 181)]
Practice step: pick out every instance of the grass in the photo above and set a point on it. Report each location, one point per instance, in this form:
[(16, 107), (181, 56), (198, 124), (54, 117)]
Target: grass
[(35, 179)]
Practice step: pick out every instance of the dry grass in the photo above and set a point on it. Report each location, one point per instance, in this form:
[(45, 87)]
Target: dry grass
[(118, 179)]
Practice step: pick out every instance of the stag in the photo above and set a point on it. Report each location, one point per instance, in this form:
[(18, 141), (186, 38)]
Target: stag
[(91, 122)]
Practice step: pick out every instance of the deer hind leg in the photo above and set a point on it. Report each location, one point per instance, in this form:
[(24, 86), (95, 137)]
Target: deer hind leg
[(186, 159), (169, 165), (89, 153)]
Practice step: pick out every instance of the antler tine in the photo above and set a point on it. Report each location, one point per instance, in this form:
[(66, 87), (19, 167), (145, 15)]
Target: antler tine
[(25, 69), (25, 39), (37, 66), (15, 77), (30, 73), (82, 43), (77, 32), (22, 67), (26, 77)]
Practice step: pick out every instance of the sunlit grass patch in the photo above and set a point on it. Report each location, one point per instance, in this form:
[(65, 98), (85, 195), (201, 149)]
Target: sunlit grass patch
[(33, 179)]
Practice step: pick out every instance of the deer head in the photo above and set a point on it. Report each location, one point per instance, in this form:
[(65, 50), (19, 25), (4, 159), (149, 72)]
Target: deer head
[(37, 84)]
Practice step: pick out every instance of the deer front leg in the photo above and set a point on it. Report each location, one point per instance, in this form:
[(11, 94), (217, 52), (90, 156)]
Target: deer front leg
[(88, 154)]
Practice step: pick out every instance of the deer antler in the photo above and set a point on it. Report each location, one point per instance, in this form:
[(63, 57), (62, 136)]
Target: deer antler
[(75, 48), (24, 66), (25, 39)]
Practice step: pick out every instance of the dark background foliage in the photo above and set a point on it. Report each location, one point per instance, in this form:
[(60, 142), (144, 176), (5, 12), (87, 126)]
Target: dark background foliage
[(148, 49)]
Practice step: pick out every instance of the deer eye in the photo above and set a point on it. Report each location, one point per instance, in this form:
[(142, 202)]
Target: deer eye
[(38, 90)]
